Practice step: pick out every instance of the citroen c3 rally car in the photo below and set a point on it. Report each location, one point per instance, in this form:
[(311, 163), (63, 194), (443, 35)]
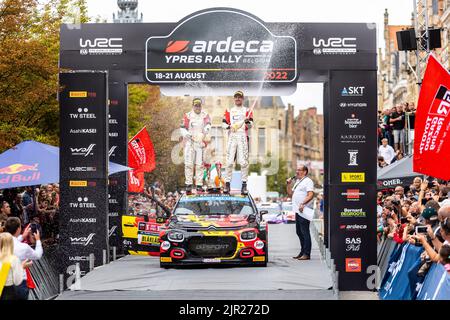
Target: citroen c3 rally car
[(214, 229)]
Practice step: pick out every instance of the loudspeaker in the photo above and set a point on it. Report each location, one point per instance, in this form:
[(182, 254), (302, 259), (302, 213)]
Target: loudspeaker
[(434, 36), (406, 40)]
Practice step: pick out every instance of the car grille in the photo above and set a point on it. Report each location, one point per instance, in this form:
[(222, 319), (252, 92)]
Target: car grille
[(212, 247)]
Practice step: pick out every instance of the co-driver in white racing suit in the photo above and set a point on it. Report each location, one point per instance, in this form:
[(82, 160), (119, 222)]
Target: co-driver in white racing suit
[(195, 131), (237, 121)]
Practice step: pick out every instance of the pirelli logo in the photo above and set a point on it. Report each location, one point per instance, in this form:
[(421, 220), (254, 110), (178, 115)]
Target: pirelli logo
[(78, 94), (78, 183), (353, 177)]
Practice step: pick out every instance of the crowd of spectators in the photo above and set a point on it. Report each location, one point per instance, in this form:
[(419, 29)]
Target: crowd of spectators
[(395, 133), (27, 215), (419, 215), (34, 206)]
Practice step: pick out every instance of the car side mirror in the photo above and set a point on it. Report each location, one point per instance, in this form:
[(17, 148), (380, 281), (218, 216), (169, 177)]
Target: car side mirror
[(264, 212), (251, 218)]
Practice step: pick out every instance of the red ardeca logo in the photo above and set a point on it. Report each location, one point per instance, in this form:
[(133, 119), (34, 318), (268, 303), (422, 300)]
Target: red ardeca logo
[(353, 265), (177, 46)]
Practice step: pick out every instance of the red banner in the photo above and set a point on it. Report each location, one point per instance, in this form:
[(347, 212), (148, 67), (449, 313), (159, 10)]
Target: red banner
[(432, 126), (136, 181), (141, 154)]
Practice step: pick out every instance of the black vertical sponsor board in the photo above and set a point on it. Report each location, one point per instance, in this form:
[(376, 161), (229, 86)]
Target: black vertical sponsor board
[(352, 175), (118, 152), (83, 168)]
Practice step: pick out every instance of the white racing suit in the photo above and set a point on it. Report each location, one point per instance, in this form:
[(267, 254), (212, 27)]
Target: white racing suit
[(194, 129), (234, 121)]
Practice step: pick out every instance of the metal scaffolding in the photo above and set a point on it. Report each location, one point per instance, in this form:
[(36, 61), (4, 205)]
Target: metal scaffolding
[(422, 36)]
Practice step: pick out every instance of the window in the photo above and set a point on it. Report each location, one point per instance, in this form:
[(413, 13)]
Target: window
[(262, 142)]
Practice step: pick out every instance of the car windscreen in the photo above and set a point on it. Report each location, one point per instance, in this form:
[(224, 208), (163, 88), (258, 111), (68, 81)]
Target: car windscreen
[(214, 206)]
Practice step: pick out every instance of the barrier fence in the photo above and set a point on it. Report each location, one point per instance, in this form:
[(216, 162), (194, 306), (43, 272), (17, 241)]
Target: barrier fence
[(45, 275), (401, 280)]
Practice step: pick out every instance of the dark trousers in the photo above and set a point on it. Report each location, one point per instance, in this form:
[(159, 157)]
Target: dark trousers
[(22, 291), (302, 228)]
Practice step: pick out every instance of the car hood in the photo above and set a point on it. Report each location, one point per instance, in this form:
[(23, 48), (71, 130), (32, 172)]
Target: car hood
[(208, 221)]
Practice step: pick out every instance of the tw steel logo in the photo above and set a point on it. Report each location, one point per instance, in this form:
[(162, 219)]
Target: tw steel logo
[(223, 46)]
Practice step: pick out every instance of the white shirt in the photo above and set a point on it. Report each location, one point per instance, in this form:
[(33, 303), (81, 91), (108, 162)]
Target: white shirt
[(23, 251), (300, 191), (387, 153), (15, 275)]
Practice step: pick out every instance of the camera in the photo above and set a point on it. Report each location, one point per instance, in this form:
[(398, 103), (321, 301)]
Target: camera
[(33, 227), (403, 220), (396, 202), (421, 229)]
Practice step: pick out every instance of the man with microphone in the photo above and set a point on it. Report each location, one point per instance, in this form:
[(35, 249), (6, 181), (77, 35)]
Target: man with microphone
[(301, 189)]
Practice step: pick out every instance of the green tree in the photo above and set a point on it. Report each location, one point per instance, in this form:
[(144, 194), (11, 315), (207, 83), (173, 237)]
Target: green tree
[(29, 43)]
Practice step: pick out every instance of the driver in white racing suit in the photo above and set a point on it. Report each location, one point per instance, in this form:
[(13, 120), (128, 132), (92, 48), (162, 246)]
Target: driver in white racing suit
[(195, 129), (237, 121)]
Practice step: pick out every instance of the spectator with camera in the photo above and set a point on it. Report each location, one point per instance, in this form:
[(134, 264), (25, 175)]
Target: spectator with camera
[(23, 251)]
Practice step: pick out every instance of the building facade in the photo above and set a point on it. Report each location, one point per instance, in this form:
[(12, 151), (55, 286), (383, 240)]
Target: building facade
[(128, 12), (308, 143), (397, 80)]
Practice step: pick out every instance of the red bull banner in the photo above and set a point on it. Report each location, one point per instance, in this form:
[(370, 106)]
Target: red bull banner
[(431, 141), (19, 172), (141, 154)]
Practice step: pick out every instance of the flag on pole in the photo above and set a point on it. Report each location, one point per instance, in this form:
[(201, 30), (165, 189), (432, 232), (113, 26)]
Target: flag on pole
[(136, 181), (141, 153), (432, 124)]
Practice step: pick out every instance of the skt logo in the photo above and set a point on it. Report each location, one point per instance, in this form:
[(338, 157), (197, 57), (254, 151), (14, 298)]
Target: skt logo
[(353, 91), (18, 167)]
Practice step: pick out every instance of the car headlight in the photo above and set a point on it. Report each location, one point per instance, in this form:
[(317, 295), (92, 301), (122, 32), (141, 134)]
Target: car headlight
[(248, 235), (175, 236)]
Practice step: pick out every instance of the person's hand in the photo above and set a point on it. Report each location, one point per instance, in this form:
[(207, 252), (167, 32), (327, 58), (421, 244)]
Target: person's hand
[(289, 180), (37, 235), (424, 185), (421, 238), (27, 263), (430, 232), (436, 197), (26, 232), (301, 207)]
